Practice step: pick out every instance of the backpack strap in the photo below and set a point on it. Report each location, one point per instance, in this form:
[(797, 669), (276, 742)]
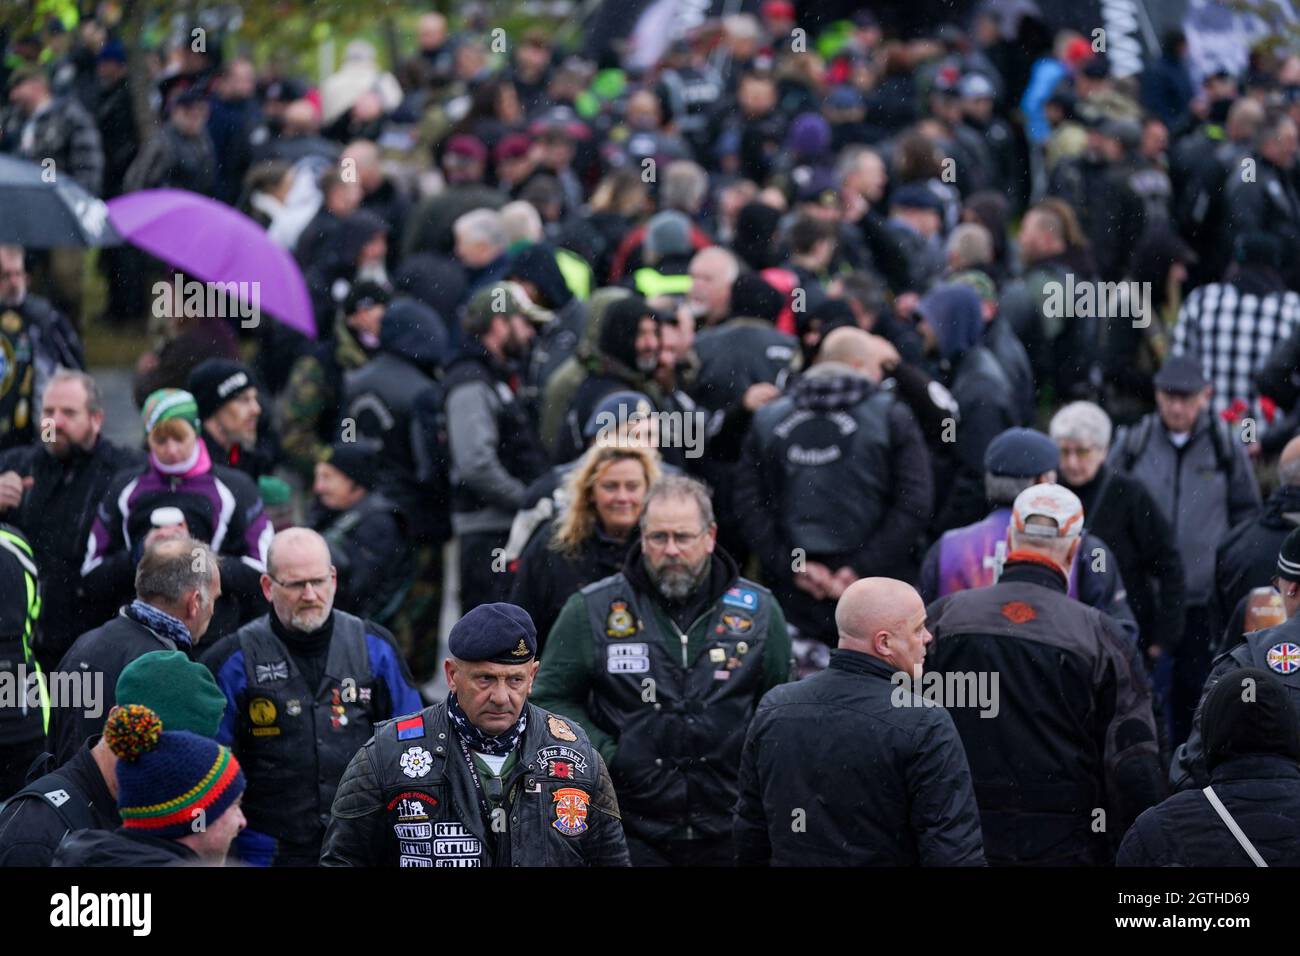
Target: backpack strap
[(1134, 443), (1231, 824), (55, 790)]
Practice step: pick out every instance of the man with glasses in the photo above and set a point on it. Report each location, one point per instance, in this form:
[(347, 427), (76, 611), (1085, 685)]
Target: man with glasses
[(663, 665), (304, 687)]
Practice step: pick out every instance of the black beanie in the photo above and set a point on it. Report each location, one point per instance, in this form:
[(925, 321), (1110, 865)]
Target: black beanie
[(215, 381), (1264, 722), (536, 264), (753, 298), (359, 460)]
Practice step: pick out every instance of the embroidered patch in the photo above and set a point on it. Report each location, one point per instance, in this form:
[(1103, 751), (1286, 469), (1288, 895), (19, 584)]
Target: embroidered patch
[(1018, 612), (560, 729), (627, 658), (293, 708), (416, 762), (261, 711), (277, 670), (1284, 658), (455, 845), (737, 623), (574, 758), (717, 655), (570, 811), (619, 622), (742, 598), (410, 728), (413, 831), (412, 805), (406, 861)]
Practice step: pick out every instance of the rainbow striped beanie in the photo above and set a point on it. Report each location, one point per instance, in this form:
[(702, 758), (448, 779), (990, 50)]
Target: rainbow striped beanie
[(169, 784)]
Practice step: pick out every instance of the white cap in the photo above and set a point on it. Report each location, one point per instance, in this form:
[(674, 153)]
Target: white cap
[(1048, 501)]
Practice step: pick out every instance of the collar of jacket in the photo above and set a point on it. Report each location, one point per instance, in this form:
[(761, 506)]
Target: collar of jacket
[(473, 351), (858, 662), (1031, 568), (1282, 510), (1255, 767), (723, 572), (347, 350), (831, 386)]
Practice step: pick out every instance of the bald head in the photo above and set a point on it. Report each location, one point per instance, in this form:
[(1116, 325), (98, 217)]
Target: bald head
[(884, 618), (846, 345), (295, 545), (1288, 466)]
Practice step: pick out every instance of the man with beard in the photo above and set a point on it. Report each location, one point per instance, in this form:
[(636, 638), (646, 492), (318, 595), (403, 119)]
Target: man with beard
[(492, 439), (305, 686), (50, 489), (663, 665), (227, 396), (35, 339)]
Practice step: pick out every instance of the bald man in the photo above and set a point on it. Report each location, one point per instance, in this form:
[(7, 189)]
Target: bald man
[(1246, 557), (852, 767), (834, 483), (380, 195), (304, 687)]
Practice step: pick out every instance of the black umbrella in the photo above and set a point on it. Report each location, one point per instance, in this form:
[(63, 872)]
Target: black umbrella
[(39, 214)]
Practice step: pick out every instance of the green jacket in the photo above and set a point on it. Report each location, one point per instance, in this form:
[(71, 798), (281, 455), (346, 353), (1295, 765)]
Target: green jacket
[(565, 677)]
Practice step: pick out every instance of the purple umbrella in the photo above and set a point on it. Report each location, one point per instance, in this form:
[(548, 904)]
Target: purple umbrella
[(207, 240)]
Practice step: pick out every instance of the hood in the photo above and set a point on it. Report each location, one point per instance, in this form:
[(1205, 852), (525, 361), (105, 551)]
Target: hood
[(618, 330), (536, 264), (415, 332), (597, 306), (354, 232), (434, 280), (953, 311)]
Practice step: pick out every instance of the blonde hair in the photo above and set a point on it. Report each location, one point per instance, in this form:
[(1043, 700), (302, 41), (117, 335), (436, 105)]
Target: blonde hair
[(577, 523)]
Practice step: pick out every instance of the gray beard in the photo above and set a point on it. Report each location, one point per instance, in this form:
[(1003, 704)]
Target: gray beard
[(677, 584)]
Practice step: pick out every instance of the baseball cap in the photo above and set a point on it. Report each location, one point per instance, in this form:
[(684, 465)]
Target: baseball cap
[(1059, 504)]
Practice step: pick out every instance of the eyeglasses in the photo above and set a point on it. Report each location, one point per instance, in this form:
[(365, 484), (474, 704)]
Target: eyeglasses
[(297, 587), (683, 539)]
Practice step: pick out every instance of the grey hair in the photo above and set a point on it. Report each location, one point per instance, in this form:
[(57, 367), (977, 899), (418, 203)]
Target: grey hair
[(1083, 422), (1003, 489), (521, 221), (94, 399), (971, 245), (1058, 548), (680, 486), (685, 186), (172, 568), (484, 225)]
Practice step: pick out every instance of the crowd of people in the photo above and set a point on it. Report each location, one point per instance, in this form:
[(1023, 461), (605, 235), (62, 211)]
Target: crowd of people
[(723, 398)]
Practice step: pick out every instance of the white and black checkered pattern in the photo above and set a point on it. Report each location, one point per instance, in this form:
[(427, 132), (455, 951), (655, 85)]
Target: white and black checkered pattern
[(1233, 334)]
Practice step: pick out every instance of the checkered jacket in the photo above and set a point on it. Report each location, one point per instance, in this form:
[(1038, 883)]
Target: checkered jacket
[(1233, 333)]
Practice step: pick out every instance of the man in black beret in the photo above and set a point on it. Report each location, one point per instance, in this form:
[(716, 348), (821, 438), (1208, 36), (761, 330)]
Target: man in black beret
[(227, 395), (483, 778), (366, 532)]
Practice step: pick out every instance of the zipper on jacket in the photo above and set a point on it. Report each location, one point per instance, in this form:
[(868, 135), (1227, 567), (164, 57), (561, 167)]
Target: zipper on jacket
[(683, 638)]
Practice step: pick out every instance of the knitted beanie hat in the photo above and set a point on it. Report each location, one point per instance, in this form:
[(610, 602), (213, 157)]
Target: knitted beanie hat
[(180, 691), (168, 781), (169, 403)]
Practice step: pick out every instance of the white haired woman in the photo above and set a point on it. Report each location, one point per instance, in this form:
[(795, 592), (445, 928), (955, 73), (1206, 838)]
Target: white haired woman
[(1119, 510)]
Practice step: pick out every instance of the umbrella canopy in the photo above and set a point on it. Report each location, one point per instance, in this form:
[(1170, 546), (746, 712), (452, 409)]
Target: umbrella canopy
[(207, 240), (41, 214)]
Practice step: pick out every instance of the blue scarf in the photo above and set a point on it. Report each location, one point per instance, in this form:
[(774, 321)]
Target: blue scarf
[(160, 622), (498, 746)]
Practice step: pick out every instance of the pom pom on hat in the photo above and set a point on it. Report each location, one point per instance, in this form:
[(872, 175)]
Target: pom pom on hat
[(132, 731)]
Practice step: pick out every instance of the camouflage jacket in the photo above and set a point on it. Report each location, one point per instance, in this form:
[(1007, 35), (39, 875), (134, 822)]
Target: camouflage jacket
[(310, 403)]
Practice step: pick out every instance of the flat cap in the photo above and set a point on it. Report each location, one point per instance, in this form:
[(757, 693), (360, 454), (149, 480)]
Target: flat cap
[(1180, 374), (498, 633)]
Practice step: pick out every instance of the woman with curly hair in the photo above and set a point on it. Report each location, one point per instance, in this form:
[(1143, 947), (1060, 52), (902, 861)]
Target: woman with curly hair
[(590, 538)]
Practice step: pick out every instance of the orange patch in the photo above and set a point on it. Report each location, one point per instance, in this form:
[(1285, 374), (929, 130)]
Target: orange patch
[(1018, 612)]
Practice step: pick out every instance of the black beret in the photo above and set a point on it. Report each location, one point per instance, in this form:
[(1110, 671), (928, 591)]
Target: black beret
[(498, 633), (1021, 453)]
